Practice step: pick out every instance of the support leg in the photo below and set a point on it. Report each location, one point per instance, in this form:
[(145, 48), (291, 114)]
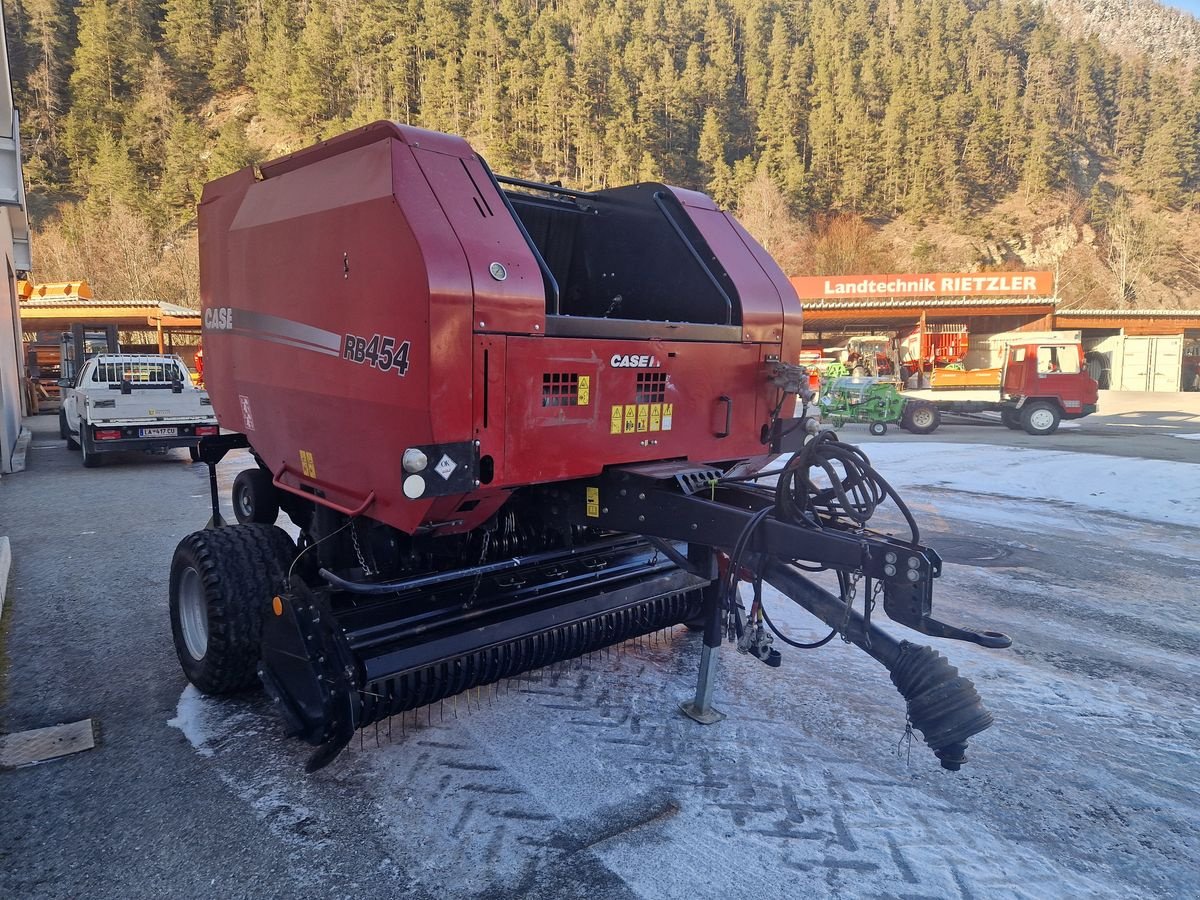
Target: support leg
[(216, 521), (700, 708)]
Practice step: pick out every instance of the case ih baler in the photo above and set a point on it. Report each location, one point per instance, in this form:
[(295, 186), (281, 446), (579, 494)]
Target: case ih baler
[(514, 423)]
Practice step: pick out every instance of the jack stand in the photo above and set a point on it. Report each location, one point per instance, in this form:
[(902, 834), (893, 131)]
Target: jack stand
[(700, 708), (217, 521)]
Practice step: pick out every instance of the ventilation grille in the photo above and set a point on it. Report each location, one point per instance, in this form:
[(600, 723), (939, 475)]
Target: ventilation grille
[(560, 389), (651, 387)]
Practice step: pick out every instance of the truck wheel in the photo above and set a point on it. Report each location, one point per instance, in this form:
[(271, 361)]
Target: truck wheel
[(255, 498), (1040, 418), (222, 582), (194, 453), (65, 430), (1011, 419), (877, 428), (922, 418), (91, 459)]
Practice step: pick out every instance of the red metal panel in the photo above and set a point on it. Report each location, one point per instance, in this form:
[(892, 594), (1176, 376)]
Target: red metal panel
[(510, 299), (551, 443)]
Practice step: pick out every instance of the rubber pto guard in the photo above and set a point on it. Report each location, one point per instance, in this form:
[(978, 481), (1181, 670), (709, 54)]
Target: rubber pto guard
[(943, 705)]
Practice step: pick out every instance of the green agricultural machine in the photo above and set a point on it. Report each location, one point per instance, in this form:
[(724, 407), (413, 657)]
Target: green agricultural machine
[(873, 401)]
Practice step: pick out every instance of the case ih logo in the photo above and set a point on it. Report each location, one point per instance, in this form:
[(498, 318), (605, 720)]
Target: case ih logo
[(621, 361)]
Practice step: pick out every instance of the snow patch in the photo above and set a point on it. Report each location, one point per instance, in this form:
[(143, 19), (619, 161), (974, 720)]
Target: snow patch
[(1149, 489), (194, 718)]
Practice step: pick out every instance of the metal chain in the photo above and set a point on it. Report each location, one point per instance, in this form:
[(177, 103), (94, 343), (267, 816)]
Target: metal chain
[(362, 560), (850, 593)]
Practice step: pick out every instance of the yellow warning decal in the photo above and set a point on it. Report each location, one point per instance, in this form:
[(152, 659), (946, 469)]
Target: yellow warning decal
[(593, 502), (618, 414), (668, 413), (307, 465), (584, 391), (630, 418), (655, 416), (643, 419)]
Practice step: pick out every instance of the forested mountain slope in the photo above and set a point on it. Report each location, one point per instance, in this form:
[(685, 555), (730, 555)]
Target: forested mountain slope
[(980, 120)]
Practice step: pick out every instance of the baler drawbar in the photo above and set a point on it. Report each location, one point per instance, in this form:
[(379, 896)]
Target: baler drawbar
[(513, 424)]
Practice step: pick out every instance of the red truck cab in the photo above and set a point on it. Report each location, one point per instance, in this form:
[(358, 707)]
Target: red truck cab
[(1043, 384)]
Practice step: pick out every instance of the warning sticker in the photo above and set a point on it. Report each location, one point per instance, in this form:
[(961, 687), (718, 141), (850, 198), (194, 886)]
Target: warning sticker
[(593, 502), (668, 413), (655, 416), (307, 465), (618, 414), (584, 391), (643, 417), (630, 418)]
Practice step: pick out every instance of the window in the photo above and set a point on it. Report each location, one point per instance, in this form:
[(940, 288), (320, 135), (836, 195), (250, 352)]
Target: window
[(1058, 360)]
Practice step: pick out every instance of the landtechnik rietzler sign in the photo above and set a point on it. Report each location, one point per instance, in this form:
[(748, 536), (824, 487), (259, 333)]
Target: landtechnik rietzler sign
[(927, 284)]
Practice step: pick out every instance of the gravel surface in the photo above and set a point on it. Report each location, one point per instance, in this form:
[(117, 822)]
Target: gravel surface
[(583, 780)]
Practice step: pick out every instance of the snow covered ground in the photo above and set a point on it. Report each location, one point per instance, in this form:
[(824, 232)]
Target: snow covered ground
[(584, 780)]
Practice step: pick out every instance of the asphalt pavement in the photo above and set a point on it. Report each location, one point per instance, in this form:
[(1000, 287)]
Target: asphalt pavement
[(584, 781)]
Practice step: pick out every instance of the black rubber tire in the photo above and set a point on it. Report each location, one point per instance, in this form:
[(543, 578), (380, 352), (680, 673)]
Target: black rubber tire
[(255, 498), (91, 459), (921, 418), (194, 453), (877, 428), (68, 435), (240, 567), (1011, 419), (1040, 417)]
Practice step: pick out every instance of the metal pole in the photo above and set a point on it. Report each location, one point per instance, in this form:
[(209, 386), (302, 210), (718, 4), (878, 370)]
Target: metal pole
[(700, 708)]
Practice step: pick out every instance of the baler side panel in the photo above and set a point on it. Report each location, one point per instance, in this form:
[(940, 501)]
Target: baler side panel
[(510, 298), (445, 270), (762, 309), (308, 277), (793, 320), (623, 420)]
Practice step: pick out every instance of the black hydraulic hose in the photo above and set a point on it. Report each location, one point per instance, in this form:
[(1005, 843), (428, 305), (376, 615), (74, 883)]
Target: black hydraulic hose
[(391, 587), (800, 645), (853, 493)]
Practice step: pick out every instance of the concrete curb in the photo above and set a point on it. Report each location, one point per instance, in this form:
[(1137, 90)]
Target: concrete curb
[(22, 445), (5, 565)]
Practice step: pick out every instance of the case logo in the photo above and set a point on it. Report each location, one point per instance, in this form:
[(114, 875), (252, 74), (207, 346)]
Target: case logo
[(623, 361), (218, 318)]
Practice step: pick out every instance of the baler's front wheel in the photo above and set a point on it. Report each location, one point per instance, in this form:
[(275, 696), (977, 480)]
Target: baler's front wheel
[(255, 497), (222, 581)]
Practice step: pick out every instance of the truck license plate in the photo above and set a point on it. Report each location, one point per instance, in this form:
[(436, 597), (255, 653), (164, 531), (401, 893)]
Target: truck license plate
[(158, 432)]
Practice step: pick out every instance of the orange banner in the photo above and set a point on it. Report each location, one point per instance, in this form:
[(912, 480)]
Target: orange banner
[(926, 284)]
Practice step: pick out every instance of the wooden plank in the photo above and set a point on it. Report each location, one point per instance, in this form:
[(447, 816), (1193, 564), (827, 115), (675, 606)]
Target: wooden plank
[(40, 744)]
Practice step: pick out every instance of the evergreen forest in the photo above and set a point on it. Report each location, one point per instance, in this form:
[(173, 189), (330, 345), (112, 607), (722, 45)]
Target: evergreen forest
[(819, 121)]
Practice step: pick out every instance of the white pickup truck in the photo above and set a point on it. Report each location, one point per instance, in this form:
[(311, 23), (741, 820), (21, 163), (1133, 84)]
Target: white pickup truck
[(125, 401)]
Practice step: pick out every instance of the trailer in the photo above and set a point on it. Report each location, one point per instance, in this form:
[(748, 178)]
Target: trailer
[(515, 423)]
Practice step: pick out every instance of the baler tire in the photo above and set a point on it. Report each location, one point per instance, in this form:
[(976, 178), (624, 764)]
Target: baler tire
[(221, 585), (1040, 418), (917, 423), (877, 428), (255, 497), (1011, 419)]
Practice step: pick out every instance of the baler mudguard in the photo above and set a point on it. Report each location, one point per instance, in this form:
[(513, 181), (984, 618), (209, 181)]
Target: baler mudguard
[(515, 423)]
